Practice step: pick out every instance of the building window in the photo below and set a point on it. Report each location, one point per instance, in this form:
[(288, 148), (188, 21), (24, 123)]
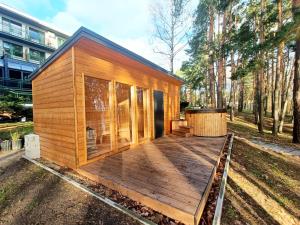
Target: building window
[(13, 50), (36, 55), (36, 36), (60, 41), (26, 75), (1, 72), (12, 27), (15, 74)]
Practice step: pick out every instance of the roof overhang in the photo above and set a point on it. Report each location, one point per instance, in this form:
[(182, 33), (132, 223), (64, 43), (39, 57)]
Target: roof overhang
[(83, 32)]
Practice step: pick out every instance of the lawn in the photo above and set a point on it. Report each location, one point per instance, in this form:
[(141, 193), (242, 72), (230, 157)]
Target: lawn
[(23, 128), (244, 126), (31, 195), (263, 186)]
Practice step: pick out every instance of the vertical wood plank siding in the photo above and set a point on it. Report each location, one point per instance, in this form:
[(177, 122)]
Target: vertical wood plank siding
[(53, 109)]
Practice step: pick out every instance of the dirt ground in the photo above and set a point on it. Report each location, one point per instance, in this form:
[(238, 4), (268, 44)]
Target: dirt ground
[(263, 188), (31, 195)]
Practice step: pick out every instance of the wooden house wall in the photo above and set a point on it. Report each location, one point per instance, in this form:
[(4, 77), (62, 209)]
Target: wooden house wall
[(54, 112), (97, 61)]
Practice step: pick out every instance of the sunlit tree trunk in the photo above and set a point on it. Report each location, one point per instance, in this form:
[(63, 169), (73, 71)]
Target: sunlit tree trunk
[(261, 76), (278, 74), (285, 103), (221, 71), (212, 80), (296, 90)]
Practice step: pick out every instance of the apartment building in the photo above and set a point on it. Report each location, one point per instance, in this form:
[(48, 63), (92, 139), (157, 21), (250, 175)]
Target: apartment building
[(25, 42)]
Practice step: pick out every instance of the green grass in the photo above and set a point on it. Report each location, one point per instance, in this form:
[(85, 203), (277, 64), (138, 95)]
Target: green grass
[(23, 129), (244, 126), (18, 124), (263, 186)]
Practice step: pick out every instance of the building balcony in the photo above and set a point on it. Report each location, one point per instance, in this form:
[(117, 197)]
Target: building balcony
[(25, 60), (24, 36), (15, 84)]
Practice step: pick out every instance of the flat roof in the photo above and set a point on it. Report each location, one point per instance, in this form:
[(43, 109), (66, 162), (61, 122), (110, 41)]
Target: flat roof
[(84, 32)]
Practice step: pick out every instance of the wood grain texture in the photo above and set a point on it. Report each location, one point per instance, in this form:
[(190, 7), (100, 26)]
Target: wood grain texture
[(207, 124), (59, 99), (172, 175), (54, 111), (94, 60)]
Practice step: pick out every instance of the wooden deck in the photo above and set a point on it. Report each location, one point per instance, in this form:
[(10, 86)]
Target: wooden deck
[(171, 175)]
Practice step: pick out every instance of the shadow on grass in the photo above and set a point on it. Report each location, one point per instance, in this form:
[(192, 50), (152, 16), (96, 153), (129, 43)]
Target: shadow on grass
[(248, 208), (274, 176), (48, 185), (21, 179)]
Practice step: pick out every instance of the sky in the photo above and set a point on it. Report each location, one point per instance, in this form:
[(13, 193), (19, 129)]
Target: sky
[(126, 22)]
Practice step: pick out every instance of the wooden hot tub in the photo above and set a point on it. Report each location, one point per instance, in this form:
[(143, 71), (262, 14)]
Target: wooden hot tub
[(207, 122)]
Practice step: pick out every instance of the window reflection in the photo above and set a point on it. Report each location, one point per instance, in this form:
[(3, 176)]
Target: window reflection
[(97, 116), (123, 115)]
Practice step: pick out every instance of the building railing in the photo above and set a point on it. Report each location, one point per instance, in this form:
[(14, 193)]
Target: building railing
[(15, 84), (26, 57), (24, 34)]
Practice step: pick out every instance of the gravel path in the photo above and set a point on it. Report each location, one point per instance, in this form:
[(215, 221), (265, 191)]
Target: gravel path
[(276, 147)]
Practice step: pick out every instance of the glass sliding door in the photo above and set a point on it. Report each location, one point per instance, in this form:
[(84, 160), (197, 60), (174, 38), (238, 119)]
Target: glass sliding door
[(97, 116), (124, 132), (141, 112)]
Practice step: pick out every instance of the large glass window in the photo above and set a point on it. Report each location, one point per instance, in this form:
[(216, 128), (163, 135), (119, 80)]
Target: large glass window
[(141, 115), (60, 41), (12, 27), (36, 55), (13, 49), (123, 115), (36, 36), (97, 116)]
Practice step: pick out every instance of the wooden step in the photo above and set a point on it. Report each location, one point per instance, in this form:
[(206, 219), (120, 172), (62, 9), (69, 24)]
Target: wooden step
[(188, 129), (181, 133)]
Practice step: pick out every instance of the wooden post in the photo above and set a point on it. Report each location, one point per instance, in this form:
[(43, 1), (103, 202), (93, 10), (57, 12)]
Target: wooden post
[(134, 116), (84, 119), (112, 107), (150, 110), (146, 113)]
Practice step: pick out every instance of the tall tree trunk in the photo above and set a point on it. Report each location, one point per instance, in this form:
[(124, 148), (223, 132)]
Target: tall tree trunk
[(273, 84), (221, 72), (233, 81), (278, 74), (241, 97), (261, 77), (267, 89), (296, 90), (256, 99), (286, 100), (211, 59)]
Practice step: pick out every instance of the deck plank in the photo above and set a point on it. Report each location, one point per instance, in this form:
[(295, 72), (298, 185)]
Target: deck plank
[(169, 174)]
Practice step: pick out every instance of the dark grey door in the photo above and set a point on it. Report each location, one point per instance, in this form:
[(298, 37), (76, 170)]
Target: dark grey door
[(159, 113)]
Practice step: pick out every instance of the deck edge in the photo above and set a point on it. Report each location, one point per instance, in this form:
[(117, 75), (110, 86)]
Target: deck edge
[(200, 208), (158, 206)]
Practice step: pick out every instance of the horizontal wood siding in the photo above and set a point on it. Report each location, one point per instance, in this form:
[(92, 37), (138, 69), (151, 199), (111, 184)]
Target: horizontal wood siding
[(53, 110), (92, 59)]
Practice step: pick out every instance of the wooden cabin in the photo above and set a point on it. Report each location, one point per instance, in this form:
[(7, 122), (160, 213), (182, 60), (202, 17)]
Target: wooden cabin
[(93, 98)]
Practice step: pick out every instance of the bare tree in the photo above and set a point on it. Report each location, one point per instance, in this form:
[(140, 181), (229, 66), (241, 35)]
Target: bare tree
[(171, 20)]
